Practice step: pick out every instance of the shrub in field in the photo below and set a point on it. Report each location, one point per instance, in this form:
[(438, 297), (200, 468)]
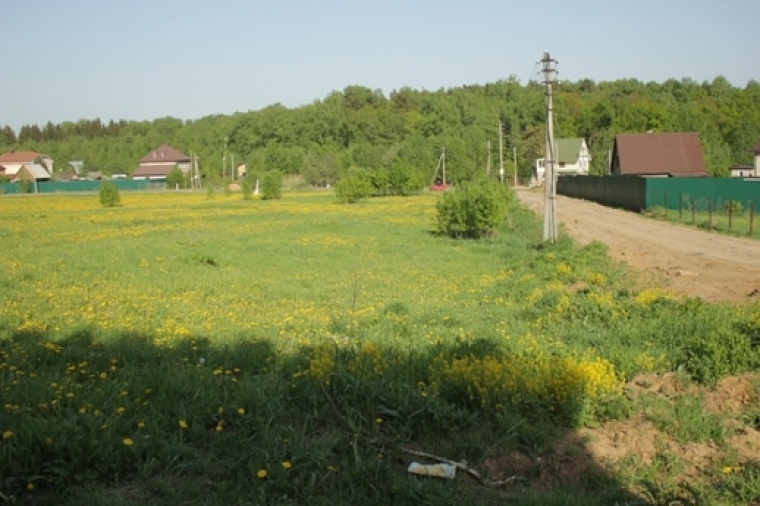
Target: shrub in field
[(245, 189), (354, 186), (473, 211), (404, 180), (175, 178), (109, 195), (271, 185)]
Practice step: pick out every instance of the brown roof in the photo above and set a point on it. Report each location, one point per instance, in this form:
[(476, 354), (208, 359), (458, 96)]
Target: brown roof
[(673, 154), (148, 170), (164, 154), (21, 157)]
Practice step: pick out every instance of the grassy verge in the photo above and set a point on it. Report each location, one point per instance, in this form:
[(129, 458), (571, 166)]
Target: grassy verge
[(739, 222), (188, 348)]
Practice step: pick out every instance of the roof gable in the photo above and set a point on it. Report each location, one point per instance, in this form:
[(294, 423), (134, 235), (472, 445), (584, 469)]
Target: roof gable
[(163, 154), (33, 171), (674, 154), (21, 157), (568, 150)]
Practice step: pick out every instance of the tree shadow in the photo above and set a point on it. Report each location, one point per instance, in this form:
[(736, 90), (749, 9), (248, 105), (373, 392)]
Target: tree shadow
[(124, 418)]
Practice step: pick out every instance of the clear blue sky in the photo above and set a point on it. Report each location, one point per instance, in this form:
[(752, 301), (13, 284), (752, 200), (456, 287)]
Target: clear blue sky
[(64, 60)]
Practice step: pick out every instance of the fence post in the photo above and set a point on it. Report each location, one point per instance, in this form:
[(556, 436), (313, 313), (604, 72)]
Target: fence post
[(693, 218), (751, 215)]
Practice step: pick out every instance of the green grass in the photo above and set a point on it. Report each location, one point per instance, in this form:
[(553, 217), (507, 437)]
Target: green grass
[(740, 222), (176, 348)]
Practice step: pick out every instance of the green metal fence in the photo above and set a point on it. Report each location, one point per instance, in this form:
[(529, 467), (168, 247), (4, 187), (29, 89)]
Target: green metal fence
[(640, 194), (625, 192), (702, 194), (79, 186)]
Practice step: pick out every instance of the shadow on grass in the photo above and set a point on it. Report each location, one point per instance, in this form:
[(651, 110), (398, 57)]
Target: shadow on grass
[(120, 419)]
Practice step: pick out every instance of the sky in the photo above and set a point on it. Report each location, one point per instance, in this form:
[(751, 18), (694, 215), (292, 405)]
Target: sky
[(65, 60)]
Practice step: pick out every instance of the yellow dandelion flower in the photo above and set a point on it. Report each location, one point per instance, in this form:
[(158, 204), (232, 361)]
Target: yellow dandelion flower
[(126, 441), (30, 486), (7, 434), (141, 425), (120, 410), (379, 420), (286, 464), (219, 427), (727, 470), (182, 424), (332, 469), (262, 474), (241, 411)]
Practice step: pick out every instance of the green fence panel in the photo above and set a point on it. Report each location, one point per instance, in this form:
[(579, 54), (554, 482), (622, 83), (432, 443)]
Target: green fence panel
[(702, 194), (625, 192), (639, 194), (80, 186)]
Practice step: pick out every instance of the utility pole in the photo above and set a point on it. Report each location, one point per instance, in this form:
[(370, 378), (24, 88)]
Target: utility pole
[(514, 155), (501, 155), (224, 159), (550, 185), (443, 157), (488, 163)]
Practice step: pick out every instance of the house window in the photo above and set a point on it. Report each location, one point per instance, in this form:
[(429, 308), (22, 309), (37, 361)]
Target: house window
[(561, 165)]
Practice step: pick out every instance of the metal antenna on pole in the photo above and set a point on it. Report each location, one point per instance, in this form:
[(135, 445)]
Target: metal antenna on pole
[(550, 184)]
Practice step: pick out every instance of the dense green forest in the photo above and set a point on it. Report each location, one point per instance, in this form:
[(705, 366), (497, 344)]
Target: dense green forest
[(360, 127)]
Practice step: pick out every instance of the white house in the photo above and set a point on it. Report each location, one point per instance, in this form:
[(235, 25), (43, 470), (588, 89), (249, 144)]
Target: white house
[(158, 163), (573, 158)]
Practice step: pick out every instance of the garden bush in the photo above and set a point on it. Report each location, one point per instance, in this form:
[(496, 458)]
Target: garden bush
[(109, 195), (271, 185), (353, 187), (474, 210)]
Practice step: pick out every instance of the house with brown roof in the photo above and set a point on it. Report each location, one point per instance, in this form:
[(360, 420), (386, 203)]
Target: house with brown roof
[(658, 155), (158, 163), (14, 160)]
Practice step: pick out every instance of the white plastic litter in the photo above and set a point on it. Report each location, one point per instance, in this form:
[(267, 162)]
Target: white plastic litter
[(437, 470)]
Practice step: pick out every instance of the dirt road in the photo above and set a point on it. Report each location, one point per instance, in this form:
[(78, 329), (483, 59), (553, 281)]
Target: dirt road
[(684, 260)]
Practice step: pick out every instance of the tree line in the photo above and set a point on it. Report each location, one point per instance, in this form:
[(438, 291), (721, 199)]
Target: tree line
[(362, 128)]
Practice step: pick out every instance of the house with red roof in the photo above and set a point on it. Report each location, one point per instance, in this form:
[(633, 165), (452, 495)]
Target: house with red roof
[(658, 155), (13, 161), (158, 163)]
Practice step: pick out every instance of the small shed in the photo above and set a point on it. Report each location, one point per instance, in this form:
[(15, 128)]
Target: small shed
[(32, 172)]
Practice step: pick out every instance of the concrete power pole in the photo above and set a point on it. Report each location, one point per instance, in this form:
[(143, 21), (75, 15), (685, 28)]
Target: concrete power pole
[(501, 155), (224, 159), (550, 184), (514, 154)]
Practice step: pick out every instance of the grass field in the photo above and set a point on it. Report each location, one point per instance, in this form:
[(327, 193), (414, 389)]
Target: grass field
[(204, 349)]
